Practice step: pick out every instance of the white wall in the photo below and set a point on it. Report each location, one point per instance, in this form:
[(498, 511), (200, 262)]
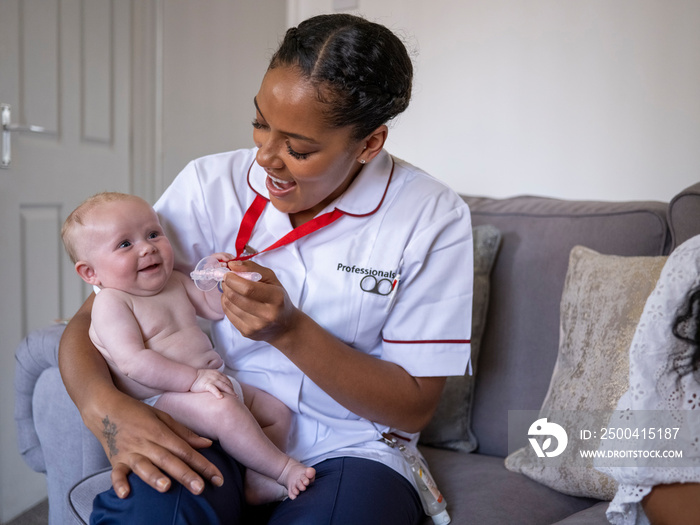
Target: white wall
[(588, 99), (215, 54)]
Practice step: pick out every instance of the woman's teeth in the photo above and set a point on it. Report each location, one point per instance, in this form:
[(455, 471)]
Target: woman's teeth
[(279, 183)]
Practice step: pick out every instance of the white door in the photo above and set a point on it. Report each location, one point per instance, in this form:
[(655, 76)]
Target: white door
[(64, 66)]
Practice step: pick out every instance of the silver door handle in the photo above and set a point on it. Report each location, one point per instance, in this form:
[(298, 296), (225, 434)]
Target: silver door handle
[(7, 128)]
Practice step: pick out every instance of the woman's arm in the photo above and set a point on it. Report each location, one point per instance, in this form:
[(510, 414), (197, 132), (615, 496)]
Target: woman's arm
[(371, 388), (135, 437), (673, 504)]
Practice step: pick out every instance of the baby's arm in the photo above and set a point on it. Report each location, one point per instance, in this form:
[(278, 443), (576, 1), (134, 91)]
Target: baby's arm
[(119, 335)]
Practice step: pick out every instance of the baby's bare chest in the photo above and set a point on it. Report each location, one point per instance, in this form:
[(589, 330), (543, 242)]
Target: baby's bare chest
[(165, 317)]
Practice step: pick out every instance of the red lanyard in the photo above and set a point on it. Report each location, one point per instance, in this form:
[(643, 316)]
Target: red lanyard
[(254, 212)]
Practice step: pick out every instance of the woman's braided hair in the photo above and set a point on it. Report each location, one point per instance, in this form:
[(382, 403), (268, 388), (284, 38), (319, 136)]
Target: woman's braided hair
[(361, 69)]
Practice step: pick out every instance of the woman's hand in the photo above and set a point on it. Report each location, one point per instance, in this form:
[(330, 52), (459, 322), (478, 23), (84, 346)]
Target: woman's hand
[(148, 442), (262, 310)]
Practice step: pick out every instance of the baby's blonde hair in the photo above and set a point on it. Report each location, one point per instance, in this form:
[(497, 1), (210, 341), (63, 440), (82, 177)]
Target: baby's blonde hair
[(78, 218)]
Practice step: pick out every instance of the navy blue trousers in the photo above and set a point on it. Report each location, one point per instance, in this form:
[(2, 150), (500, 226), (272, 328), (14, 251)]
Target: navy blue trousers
[(347, 491)]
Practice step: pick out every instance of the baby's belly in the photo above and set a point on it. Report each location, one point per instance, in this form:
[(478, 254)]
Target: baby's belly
[(191, 347)]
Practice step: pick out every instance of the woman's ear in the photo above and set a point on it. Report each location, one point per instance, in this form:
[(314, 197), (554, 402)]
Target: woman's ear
[(87, 273), (373, 144)]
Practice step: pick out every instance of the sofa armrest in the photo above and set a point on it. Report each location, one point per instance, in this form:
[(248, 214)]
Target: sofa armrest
[(35, 354), (684, 215)]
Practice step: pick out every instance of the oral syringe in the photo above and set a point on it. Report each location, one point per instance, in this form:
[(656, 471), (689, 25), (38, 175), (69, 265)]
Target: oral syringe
[(210, 271)]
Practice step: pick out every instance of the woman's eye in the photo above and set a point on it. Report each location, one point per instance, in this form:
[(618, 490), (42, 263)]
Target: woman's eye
[(256, 124), (295, 154)]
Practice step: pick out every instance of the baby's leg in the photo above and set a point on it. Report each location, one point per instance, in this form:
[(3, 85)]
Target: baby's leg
[(230, 421), (275, 419)]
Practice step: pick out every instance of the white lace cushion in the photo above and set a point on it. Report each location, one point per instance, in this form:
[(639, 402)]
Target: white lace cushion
[(601, 304)]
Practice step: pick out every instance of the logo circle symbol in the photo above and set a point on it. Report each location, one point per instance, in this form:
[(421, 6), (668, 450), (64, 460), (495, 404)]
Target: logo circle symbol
[(370, 284), (548, 429)]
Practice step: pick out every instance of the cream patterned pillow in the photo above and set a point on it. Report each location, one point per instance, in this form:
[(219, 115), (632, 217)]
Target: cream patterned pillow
[(601, 304)]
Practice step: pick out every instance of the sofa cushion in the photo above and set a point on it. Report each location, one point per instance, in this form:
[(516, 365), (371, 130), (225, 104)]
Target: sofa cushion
[(594, 515), (81, 495), (521, 337), (479, 489), (451, 425), (603, 299)]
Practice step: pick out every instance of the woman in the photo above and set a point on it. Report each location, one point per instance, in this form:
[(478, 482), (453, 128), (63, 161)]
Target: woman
[(664, 381), (359, 316)]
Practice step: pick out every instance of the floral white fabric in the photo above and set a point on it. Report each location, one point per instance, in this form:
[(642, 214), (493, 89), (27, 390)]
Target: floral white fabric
[(656, 386)]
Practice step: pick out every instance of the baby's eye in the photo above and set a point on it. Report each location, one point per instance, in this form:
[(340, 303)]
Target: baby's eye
[(153, 235), (124, 244)]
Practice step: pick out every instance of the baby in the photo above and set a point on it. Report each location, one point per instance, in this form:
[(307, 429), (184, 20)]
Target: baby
[(144, 324)]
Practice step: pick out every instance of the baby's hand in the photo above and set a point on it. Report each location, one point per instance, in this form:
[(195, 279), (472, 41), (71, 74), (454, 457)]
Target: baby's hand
[(223, 256), (210, 380)]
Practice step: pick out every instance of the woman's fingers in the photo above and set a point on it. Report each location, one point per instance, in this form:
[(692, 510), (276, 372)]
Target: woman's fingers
[(185, 464), (259, 310), (119, 482)]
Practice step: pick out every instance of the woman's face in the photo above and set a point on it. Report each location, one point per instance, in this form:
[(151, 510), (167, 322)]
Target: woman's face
[(309, 164)]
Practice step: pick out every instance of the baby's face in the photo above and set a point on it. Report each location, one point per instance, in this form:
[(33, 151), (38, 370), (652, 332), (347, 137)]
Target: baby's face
[(127, 249)]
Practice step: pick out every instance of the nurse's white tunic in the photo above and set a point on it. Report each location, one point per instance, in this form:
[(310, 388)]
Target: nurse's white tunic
[(391, 278)]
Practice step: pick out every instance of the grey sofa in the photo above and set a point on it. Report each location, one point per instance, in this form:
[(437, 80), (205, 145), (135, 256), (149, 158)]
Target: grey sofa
[(517, 354)]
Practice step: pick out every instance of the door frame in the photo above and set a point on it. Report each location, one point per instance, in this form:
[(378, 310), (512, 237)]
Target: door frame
[(147, 179)]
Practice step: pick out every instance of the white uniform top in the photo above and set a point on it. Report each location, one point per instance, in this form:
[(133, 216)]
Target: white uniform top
[(398, 224)]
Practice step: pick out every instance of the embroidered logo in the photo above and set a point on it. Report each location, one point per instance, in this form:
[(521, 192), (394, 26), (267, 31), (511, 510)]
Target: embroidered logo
[(374, 281)]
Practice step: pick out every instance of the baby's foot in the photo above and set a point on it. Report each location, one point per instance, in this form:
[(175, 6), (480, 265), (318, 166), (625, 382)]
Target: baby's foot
[(296, 477), (259, 489)]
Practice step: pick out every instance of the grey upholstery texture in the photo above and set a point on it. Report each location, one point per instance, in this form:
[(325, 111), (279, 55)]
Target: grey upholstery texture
[(589, 516), (518, 352), (479, 490), (51, 434), (521, 340), (81, 496)]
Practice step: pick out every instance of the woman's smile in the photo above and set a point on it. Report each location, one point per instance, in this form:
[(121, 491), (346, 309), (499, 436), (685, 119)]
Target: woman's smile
[(279, 187)]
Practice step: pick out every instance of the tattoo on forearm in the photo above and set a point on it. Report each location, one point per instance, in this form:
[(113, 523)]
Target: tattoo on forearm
[(110, 433)]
